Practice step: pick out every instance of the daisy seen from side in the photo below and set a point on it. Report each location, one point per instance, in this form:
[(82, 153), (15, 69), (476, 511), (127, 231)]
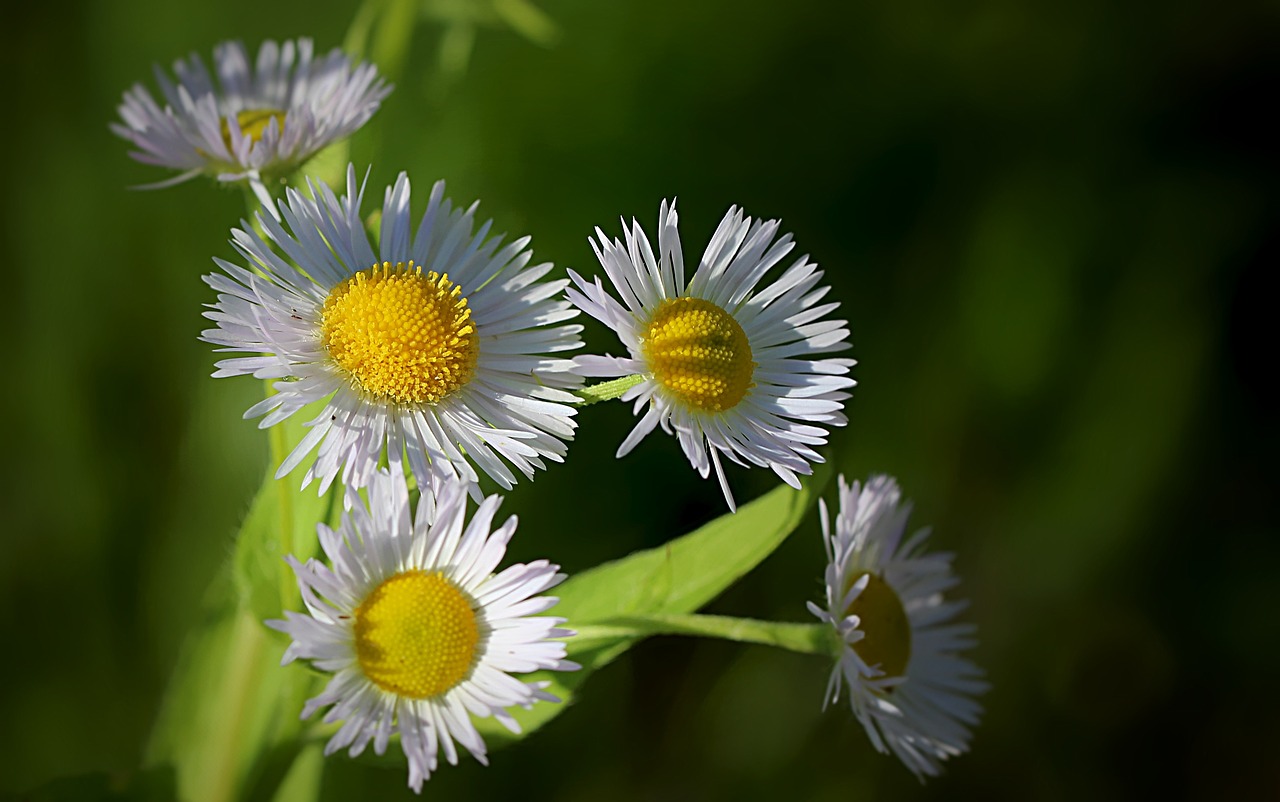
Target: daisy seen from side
[(417, 629), (901, 662), (439, 346), (728, 368), (258, 120)]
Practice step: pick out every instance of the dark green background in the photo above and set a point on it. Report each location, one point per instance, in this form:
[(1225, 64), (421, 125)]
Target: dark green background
[(1049, 225)]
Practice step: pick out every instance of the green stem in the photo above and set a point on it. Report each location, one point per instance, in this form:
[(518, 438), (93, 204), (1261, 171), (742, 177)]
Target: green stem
[(816, 638), (357, 39), (607, 391), (391, 36), (280, 450), (251, 207)]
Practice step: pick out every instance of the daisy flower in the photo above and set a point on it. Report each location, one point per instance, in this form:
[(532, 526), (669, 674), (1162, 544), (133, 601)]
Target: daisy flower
[(259, 120), (731, 370), (418, 631), (435, 345), (900, 662)]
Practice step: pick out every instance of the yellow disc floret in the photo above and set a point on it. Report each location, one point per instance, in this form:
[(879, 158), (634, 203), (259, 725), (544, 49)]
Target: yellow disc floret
[(887, 639), (416, 635), (252, 123), (403, 336), (699, 353)]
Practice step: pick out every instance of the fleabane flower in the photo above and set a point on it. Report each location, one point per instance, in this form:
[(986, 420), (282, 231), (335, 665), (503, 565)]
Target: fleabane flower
[(901, 662), (728, 368), (258, 120), (437, 345), (418, 630)]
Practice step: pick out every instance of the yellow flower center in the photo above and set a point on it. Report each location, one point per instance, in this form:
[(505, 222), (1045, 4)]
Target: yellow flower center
[(416, 635), (887, 631), (403, 335), (699, 353), (252, 123)]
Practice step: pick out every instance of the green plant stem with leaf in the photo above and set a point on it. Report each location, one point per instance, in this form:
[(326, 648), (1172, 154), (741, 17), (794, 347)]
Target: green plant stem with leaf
[(607, 391), (805, 638)]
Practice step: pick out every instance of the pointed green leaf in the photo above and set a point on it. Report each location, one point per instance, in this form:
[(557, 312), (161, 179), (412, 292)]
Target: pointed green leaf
[(228, 703), (228, 724), (282, 520), (679, 577)]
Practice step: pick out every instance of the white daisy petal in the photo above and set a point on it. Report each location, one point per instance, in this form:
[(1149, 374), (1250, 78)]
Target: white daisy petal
[(445, 359), (256, 122), (727, 367), (906, 680), (420, 632)]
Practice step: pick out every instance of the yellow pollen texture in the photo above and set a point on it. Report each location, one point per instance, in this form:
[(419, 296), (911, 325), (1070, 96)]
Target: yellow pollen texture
[(416, 635), (699, 353), (253, 123), (887, 629), (403, 335)]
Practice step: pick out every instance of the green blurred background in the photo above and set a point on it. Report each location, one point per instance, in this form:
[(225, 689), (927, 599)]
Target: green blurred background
[(1049, 225)]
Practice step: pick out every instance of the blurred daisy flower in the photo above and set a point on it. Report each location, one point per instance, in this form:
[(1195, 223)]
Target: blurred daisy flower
[(260, 120), (418, 631), (436, 345), (901, 663), (731, 370)]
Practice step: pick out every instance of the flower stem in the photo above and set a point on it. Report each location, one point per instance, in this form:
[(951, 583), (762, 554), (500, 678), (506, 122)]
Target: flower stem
[(392, 32), (251, 207), (607, 391), (280, 450), (222, 772), (814, 638), (356, 40)]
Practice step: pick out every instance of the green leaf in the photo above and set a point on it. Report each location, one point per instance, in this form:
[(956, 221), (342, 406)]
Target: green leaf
[(302, 782), (228, 705), (282, 520), (679, 577), (328, 166), (228, 725)]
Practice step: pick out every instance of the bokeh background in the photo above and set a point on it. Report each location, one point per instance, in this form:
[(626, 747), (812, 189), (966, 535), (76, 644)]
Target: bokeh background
[(1049, 225)]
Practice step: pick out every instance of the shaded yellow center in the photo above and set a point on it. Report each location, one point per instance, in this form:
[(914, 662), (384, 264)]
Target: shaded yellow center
[(887, 640), (403, 335), (252, 123), (699, 353), (416, 635)]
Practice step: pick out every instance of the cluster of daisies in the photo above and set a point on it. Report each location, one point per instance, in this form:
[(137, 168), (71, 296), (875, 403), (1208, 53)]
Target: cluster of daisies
[(439, 356)]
